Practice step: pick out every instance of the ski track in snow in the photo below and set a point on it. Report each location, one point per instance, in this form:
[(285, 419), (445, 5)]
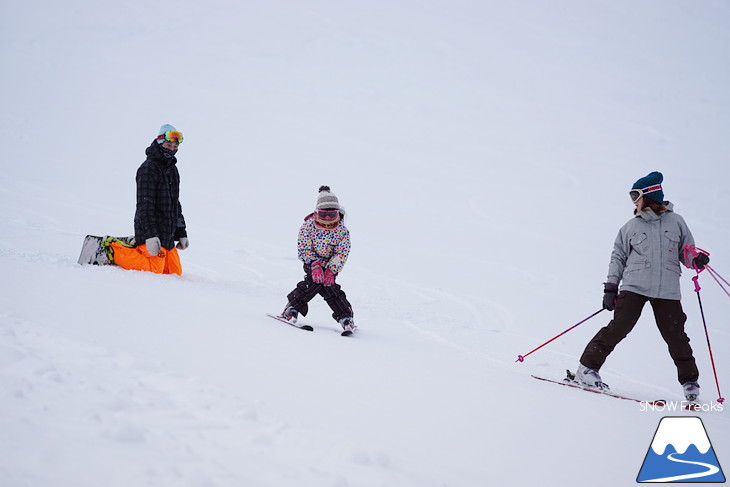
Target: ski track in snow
[(166, 429)]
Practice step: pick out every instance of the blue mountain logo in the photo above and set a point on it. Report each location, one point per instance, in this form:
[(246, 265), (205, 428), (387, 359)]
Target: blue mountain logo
[(681, 452)]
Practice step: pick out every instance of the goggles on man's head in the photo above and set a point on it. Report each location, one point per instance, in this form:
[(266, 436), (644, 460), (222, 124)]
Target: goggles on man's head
[(171, 136), (635, 194), (328, 214)]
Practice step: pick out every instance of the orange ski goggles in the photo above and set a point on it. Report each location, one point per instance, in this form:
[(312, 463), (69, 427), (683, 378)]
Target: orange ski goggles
[(171, 136)]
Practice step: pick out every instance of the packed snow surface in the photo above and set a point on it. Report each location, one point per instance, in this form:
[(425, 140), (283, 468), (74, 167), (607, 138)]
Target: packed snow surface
[(483, 151)]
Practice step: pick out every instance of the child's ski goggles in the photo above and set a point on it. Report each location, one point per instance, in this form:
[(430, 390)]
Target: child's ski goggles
[(328, 214), (171, 136), (635, 194)]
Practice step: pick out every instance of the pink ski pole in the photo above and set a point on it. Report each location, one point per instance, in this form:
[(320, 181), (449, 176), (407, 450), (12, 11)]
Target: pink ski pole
[(521, 358), (715, 276), (696, 279)]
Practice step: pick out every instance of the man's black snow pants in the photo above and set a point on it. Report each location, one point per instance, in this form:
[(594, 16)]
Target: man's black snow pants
[(307, 289), (670, 320)]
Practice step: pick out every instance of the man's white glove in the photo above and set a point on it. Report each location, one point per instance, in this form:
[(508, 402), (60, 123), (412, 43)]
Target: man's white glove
[(153, 246), (183, 243)]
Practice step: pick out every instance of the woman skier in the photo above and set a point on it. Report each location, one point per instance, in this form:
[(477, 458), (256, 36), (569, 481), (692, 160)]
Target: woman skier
[(646, 262)]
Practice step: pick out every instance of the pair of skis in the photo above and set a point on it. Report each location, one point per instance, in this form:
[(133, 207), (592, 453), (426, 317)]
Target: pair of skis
[(570, 382), (301, 326)]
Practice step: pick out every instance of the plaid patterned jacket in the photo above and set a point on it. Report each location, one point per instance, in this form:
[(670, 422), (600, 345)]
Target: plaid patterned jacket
[(159, 212)]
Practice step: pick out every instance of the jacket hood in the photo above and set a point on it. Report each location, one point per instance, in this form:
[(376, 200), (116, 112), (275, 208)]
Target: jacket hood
[(154, 153)]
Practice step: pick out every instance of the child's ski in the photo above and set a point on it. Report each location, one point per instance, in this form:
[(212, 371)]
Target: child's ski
[(295, 324), (566, 382)]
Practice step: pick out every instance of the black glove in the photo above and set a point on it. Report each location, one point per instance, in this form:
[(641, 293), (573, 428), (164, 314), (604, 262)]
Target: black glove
[(700, 261), (610, 291)]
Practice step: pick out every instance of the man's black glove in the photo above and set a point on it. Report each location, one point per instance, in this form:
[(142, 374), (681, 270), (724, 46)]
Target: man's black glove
[(610, 291), (700, 261)]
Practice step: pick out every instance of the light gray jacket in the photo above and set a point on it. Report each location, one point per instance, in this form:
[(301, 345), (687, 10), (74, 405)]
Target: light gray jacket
[(647, 254)]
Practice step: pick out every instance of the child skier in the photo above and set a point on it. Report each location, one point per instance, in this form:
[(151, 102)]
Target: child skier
[(645, 260), (323, 245)]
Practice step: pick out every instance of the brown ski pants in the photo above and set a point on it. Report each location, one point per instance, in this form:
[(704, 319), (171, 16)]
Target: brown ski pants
[(670, 320)]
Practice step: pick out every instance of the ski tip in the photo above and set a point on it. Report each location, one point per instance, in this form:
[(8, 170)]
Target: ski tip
[(290, 323), (693, 407), (346, 333)]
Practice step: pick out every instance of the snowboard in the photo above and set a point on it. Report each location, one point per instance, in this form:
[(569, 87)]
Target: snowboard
[(96, 250)]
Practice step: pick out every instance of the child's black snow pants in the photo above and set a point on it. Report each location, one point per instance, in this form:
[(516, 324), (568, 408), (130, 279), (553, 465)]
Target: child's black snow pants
[(307, 289), (670, 320)]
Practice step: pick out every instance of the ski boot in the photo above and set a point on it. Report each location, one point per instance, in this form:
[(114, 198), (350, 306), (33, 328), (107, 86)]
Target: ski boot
[(691, 391), (348, 326), (290, 314), (590, 378)]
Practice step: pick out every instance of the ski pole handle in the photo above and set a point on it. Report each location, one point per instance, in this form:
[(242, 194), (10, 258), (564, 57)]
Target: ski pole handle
[(696, 280)]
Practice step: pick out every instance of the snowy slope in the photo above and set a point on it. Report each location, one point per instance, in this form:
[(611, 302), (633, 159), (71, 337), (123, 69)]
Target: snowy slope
[(483, 151)]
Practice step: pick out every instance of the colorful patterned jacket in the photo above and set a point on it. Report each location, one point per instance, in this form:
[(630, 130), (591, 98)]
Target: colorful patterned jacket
[(329, 246)]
